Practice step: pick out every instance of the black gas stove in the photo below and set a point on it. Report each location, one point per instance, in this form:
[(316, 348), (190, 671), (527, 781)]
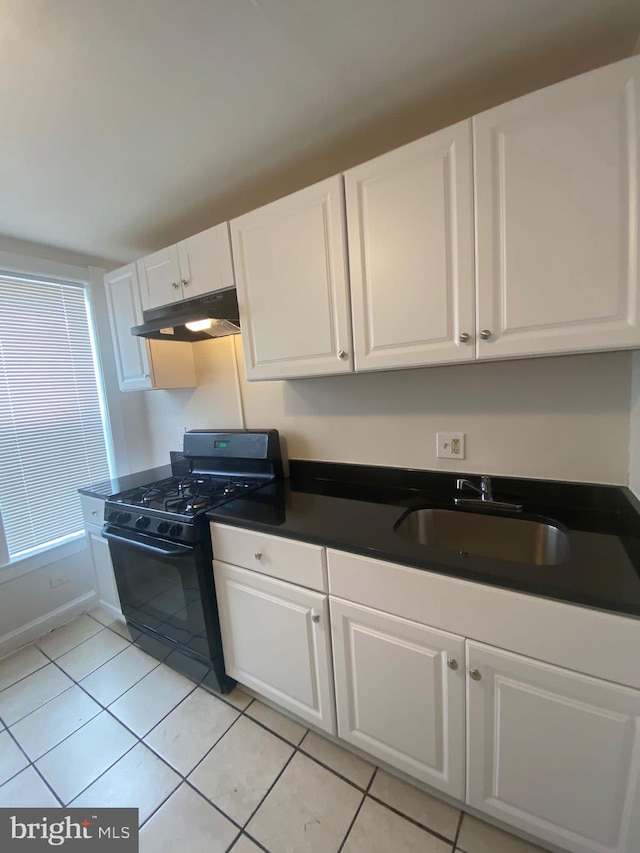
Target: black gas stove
[(169, 507), (160, 547), (222, 466)]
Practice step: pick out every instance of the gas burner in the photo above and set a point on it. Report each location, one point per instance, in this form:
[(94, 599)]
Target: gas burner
[(188, 495)]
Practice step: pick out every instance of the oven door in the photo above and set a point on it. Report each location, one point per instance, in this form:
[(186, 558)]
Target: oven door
[(165, 589)]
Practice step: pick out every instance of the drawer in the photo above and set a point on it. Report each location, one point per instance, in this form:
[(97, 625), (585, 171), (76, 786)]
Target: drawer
[(92, 509), (286, 559), (594, 642)]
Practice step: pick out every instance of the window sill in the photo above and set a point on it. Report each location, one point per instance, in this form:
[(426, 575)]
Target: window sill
[(31, 563)]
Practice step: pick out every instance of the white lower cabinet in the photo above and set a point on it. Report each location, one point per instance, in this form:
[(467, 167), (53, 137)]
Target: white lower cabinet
[(535, 737), (553, 752), (93, 513), (276, 640), (400, 693)]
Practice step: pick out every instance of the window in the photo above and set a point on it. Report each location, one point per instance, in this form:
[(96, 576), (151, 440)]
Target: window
[(52, 435)]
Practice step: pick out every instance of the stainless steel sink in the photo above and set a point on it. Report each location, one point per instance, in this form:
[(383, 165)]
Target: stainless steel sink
[(522, 540)]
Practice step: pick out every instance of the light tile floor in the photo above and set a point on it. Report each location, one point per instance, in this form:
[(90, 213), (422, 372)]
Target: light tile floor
[(87, 719)]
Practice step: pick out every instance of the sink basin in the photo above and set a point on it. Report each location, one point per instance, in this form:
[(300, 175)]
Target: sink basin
[(522, 540)]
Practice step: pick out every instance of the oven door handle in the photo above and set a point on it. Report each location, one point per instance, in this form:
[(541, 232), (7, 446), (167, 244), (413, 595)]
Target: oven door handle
[(146, 543)]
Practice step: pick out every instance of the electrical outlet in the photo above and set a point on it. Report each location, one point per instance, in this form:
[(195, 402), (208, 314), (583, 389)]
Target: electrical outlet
[(450, 445)]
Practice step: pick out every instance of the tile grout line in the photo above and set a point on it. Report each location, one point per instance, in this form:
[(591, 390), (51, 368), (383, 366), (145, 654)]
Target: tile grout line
[(411, 819), (357, 812), (458, 830), (30, 764), (184, 779)]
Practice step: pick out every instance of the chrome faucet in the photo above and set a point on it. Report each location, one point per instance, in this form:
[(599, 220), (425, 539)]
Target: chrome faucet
[(485, 499)]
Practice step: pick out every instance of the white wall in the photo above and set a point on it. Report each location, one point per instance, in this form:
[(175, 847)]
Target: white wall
[(564, 418), (214, 403), (30, 607)]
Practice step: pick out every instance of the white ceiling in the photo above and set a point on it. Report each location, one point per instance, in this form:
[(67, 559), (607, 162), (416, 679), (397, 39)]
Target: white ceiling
[(126, 125)]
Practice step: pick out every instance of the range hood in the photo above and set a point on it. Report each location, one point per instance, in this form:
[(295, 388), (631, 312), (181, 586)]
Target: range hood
[(168, 323)]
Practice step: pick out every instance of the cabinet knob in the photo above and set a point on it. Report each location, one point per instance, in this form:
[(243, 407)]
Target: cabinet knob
[(185, 282), (475, 674), (315, 616), (485, 334), (94, 512), (258, 555), (342, 354), (452, 663), (464, 337), (175, 285)]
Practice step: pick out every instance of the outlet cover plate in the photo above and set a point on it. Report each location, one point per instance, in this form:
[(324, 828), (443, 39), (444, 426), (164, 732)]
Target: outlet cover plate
[(450, 445)]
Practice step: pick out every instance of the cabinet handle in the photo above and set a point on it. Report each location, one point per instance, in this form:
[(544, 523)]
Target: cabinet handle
[(315, 617), (342, 354), (464, 337), (175, 285), (258, 555), (452, 663), (475, 674), (485, 334), (185, 282)]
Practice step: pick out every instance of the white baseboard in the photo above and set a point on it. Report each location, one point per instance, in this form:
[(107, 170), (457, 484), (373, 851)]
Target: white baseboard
[(43, 624)]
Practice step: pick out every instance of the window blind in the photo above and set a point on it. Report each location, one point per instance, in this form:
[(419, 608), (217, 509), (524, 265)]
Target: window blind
[(52, 438)]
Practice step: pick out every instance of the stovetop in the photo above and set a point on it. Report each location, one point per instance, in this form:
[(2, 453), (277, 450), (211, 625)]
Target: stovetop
[(187, 495), (176, 507)]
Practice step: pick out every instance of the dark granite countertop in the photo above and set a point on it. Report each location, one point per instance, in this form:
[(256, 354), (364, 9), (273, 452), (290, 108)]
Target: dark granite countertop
[(127, 481), (355, 508)]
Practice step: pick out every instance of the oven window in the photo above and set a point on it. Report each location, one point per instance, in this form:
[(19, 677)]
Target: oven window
[(161, 593)]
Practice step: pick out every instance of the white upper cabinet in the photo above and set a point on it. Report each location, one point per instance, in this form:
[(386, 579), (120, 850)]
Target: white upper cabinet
[(556, 177), (131, 353), (291, 274), (410, 225), (142, 364), (205, 262), (201, 264), (553, 752), (160, 278)]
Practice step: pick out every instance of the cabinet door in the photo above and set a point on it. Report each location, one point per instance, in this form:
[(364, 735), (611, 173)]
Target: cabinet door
[(557, 217), (291, 274), (160, 282), (103, 569), (205, 262), (410, 224), (400, 693), (131, 353), (275, 638), (553, 752)]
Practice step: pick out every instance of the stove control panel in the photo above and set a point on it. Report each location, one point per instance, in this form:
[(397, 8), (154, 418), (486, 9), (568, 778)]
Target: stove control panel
[(151, 525)]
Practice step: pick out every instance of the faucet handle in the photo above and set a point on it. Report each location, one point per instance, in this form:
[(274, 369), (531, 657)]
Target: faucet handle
[(461, 483)]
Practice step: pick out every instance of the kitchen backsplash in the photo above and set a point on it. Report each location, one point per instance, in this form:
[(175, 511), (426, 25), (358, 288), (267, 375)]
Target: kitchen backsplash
[(560, 418)]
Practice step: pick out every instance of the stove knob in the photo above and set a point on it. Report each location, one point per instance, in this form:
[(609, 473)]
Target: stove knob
[(112, 515), (123, 517), (163, 527), (142, 522), (175, 530)]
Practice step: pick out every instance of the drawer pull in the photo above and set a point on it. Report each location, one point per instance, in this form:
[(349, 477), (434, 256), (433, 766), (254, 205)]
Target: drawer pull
[(258, 555), (315, 616)]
